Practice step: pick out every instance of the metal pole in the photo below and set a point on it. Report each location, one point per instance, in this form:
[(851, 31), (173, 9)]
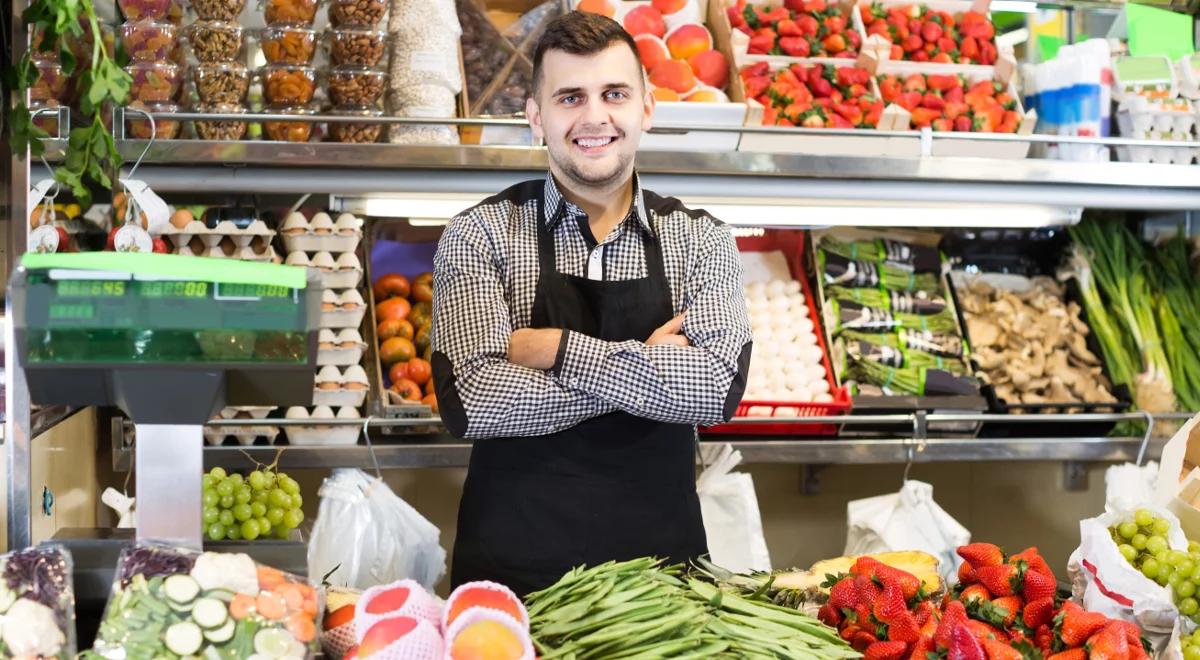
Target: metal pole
[(17, 439)]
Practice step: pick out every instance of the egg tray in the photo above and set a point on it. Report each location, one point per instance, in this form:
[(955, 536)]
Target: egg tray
[(223, 228), (335, 278), (244, 248), (242, 435), (343, 318), (333, 243), (339, 398), (340, 357), (322, 436), (244, 412)]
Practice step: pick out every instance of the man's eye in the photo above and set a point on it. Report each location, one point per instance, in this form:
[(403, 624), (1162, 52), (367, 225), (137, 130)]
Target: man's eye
[(617, 95), (569, 100)]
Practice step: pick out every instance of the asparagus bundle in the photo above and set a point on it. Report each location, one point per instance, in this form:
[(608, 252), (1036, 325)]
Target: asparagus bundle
[(889, 350), (909, 380), (920, 302), (839, 270), (901, 254), (849, 315)]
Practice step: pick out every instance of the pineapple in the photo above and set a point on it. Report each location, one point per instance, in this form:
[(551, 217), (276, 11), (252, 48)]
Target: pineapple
[(803, 590)]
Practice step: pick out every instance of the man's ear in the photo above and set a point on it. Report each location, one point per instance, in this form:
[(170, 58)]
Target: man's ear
[(648, 103), (534, 114)]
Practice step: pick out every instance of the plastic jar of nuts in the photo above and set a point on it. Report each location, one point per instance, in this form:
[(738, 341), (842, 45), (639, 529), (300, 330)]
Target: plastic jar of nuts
[(357, 46), (290, 12), (357, 13), (52, 84), (221, 129), (148, 41), (218, 10), (288, 84), (289, 45), (289, 131), (215, 41), (364, 132), (138, 127), (221, 82), (356, 86), (154, 82)]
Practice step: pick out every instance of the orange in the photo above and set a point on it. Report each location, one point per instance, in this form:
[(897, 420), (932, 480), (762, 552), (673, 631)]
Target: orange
[(419, 371), (393, 308), (396, 349)]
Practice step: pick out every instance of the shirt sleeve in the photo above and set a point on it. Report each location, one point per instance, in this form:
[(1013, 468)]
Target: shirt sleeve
[(480, 393), (697, 384)]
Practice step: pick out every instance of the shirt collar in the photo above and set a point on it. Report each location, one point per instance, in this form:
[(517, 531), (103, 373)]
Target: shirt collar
[(557, 207)]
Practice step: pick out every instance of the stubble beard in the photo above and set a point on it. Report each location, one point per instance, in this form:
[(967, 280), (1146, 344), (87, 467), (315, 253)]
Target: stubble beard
[(576, 174)]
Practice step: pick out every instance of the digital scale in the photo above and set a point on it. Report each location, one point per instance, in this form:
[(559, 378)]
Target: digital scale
[(170, 340)]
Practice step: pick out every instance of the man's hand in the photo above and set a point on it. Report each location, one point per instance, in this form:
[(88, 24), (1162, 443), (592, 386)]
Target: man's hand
[(669, 333), (535, 348)]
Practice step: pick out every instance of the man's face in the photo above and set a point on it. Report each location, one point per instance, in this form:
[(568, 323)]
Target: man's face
[(591, 110)]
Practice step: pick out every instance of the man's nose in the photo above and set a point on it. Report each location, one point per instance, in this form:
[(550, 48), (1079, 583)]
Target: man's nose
[(595, 113)]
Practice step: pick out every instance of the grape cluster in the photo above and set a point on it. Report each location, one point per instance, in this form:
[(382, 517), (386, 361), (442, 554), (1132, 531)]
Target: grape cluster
[(1190, 646), (263, 504), (1143, 543)]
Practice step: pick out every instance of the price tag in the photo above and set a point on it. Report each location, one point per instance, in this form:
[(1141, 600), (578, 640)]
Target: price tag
[(156, 210)]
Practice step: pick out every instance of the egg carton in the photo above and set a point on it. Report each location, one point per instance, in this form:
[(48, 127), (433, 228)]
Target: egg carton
[(1139, 117), (333, 387), (345, 310), (1188, 69), (256, 229), (322, 435), (1162, 155), (342, 349), (253, 248), (321, 234), (246, 412), (345, 272), (242, 435)]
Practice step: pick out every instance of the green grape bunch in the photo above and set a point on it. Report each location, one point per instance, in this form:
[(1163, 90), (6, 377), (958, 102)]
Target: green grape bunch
[(264, 504), (1142, 541)]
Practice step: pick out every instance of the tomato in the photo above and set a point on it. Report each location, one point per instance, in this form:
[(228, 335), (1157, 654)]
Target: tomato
[(419, 371), (423, 292), (429, 387), (389, 328), (393, 308), (396, 349), (398, 372), (391, 285), (431, 401), (407, 389)]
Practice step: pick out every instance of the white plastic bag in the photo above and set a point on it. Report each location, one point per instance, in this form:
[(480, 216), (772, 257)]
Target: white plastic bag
[(731, 518), (1128, 486), (1103, 581), (371, 536), (907, 520)]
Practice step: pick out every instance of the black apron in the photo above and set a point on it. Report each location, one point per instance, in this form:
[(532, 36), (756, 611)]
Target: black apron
[(614, 487)]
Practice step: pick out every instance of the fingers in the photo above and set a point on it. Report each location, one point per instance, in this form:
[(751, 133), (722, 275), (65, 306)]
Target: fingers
[(668, 340), (673, 326)]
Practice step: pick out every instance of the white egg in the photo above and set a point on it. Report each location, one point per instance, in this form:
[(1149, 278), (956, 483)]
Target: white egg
[(804, 325), (824, 397), (802, 394), (811, 354), (776, 289), (791, 352), (806, 338), (816, 373), (819, 387), (793, 286), (787, 411), (778, 305), (785, 336), (756, 291), (759, 411), (797, 382), (296, 412), (758, 304), (322, 412), (763, 339), (782, 394), (793, 367), (776, 378), (797, 300)]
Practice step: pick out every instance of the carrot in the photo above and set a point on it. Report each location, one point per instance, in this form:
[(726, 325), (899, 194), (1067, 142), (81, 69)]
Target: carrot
[(269, 578), (291, 595), (271, 605), (302, 628), (309, 607), (241, 606)]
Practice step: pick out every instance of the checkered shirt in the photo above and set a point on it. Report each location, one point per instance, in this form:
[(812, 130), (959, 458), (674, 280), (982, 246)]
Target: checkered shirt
[(485, 277)]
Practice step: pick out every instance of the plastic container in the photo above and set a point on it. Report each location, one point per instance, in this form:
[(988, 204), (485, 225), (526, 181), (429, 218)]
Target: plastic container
[(52, 84), (322, 435), (341, 349), (145, 10), (39, 589), (289, 84), (357, 46), (50, 54), (47, 121), (289, 131), (218, 10), (299, 235), (361, 13), (224, 82), (148, 41), (154, 82), (356, 86), (224, 130), (215, 41), (290, 12), (138, 127), (289, 45), (356, 133)]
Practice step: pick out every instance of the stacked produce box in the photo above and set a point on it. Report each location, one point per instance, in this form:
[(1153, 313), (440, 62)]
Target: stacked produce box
[(1158, 104)]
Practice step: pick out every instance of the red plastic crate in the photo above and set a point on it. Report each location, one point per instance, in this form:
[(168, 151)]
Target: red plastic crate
[(791, 243)]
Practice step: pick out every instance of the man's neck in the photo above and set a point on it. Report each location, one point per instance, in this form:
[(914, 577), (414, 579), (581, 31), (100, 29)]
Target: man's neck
[(606, 207)]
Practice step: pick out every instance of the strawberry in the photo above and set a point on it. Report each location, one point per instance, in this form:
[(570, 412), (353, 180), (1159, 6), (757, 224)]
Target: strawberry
[(815, 6), (834, 43), (1030, 556), (998, 579), (903, 628), (1070, 654), (862, 640), (963, 645), (849, 632), (761, 44), (979, 555), (808, 25), (1038, 612), (795, 46), (922, 648), (1133, 635), (1017, 636), (64, 242), (843, 595), (933, 101), (862, 614), (954, 615), (966, 574), (836, 23), (1076, 626), (788, 28), (922, 117), (1007, 608), (912, 44), (969, 48), (997, 650), (822, 88), (983, 631), (890, 604), (975, 593), (954, 95), (885, 651), (909, 584), (924, 612), (909, 100), (1038, 585), (931, 31), (1043, 639), (829, 615), (1108, 644)]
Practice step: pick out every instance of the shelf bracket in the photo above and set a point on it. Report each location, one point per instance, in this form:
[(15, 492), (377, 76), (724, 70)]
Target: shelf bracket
[(810, 478), (1074, 476)]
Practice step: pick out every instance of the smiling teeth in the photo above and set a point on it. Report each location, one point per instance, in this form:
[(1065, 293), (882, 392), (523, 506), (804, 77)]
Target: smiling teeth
[(589, 143)]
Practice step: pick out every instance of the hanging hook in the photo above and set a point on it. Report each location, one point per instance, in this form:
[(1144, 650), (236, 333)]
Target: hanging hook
[(910, 455), (153, 135), (371, 447)]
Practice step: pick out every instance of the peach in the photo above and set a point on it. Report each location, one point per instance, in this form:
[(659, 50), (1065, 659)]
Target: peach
[(674, 75), (710, 68), (688, 40), (707, 95), (666, 7), (486, 640), (651, 50), (663, 94), (645, 20), (602, 7), (464, 599), (384, 633)]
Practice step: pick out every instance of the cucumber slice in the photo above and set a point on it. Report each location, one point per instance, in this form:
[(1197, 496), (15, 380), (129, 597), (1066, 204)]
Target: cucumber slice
[(183, 638), (272, 642), (209, 612), (223, 595), (182, 608), (222, 634), (181, 588)]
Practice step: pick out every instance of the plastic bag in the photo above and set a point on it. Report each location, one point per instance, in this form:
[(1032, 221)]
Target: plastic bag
[(1128, 486), (176, 602), (1103, 581), (907, 520), (731, 518), (365, 535), (38, 603)]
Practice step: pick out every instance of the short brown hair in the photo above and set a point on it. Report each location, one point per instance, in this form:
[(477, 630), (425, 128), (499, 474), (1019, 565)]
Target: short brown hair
[(580, 33)]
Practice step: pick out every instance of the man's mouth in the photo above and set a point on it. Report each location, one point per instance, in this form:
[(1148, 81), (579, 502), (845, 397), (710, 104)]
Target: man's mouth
[(594, 143)]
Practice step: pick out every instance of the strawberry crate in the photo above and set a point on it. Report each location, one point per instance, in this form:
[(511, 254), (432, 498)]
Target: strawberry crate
[(925, 37), (791, 245), (798, 29)]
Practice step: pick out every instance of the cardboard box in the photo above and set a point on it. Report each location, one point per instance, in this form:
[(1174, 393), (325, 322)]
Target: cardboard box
[(1178, 484), (739, 42)]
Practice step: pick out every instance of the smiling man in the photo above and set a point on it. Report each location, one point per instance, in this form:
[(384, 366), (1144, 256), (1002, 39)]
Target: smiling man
[(583, 327)]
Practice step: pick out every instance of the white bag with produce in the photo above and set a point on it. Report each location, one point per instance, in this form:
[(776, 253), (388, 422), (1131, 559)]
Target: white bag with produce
[(1128, 486), (1178, 464), (365, 535), (732, 520), (1115, 569), (907, 520)]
